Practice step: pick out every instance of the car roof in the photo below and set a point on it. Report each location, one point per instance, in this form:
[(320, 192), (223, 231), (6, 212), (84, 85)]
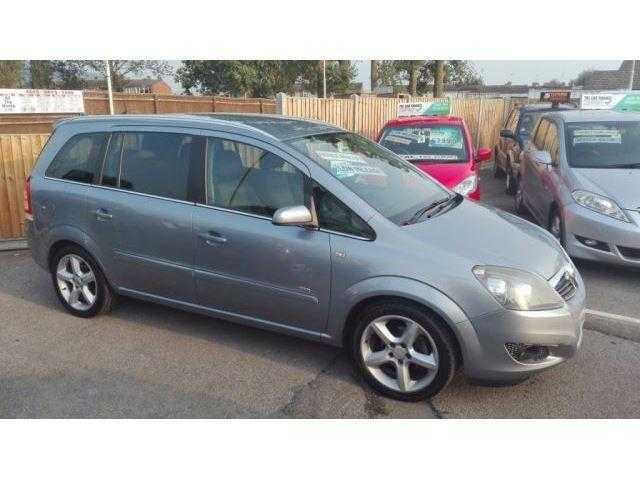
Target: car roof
[(542, 107), (419, 119), (261, 125), (570, 116)]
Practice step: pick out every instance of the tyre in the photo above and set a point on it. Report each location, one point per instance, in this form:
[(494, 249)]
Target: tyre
[(79, 283), (556, 226), (511, 182), (519, 200), (403, 352)]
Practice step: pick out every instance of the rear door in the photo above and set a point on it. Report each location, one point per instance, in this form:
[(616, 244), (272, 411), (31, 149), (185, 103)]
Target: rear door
[(244, 265), (141, 210)]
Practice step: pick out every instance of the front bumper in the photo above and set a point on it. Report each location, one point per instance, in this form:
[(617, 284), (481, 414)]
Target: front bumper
[(484, 339), (620, 240)]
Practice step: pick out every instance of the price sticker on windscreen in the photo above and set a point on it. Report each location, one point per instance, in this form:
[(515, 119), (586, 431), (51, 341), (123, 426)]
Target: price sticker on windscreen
[(581, 137), (344, 164)]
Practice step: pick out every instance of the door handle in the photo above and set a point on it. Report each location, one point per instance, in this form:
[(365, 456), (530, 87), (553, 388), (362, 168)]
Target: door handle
[(102, 214), (212, 238)]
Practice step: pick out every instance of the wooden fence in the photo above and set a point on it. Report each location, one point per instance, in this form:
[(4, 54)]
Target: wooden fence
[(18, 154), (367, 115), (97, 103)]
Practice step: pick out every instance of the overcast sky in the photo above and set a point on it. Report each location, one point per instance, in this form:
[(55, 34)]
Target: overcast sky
[(502, 71)]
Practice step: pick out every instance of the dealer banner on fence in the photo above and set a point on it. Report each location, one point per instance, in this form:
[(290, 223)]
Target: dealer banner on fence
[(622, 102), (438, 106), (40, 101)]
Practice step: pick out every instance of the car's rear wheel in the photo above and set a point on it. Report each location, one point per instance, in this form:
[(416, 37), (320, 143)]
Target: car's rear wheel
[(79, 283), (497, 170), (511, 182), (403, 352)]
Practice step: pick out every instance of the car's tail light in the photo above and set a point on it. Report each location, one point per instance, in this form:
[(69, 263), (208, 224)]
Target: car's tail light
[(28, 207)]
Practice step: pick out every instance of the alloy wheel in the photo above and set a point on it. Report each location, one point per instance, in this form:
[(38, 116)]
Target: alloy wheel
[(399, 353), (76, 282)]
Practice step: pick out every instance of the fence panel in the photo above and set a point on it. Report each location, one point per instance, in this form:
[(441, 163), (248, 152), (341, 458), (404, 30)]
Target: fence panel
[(367, 115), (18, 154)]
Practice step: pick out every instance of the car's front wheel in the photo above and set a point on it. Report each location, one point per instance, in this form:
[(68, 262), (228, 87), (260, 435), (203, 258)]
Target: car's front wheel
[(79, 283), (403, 352)]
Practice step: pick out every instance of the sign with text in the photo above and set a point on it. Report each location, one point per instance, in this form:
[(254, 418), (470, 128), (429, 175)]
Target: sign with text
[(621, 102), (40, 101), (556, 96), (438, 106)]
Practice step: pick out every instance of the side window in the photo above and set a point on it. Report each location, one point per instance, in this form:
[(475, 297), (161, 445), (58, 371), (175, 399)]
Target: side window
[(111, 167), (79, 158), (551, 144), (249, 179), (159, 163), (336, 216), (541, 133)]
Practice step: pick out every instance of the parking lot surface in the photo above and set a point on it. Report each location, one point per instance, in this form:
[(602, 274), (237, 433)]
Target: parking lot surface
[(144, 360)]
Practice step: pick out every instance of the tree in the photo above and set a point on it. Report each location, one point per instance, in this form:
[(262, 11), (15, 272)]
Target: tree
[(582, 78), (123, 69), (262, 78), (10, 73), (42, 74), (375, 74), (438, 79)]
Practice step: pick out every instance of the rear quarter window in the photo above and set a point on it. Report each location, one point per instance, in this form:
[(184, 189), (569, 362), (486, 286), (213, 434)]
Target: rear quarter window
[(79, 159)]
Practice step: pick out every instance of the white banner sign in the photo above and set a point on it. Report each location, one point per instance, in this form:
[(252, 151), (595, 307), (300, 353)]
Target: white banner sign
[(40, 101)]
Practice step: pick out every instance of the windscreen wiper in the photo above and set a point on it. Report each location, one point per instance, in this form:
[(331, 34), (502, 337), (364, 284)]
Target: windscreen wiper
[(432, 206)]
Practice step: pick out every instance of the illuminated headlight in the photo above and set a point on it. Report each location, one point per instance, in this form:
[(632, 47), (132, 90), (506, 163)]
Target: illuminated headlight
[(600, 204), (467, 186), (518, 290)]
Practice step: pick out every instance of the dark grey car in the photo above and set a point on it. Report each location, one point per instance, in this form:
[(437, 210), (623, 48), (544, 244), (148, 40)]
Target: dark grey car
[(306, 229)]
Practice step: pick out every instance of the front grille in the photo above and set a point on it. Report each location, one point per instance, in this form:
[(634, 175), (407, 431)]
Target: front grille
[(630, 253), (524, 353)]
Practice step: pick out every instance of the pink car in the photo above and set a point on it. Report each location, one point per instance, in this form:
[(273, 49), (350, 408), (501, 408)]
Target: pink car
[(439, 146)]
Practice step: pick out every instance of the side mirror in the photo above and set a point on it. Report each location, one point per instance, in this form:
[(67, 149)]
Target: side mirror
[(542, 157), (505, 133), (483, 154), (297, 216)]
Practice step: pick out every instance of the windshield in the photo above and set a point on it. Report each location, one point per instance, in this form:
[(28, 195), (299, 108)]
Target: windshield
[(433, 143), (603, 144), (392, 186)]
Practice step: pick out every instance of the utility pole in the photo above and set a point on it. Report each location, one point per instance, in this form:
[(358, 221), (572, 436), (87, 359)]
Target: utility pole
[(109, 89), (633, 74), (324, 79)]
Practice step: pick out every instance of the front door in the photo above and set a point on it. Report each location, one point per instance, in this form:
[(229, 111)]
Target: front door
[(244, 265)]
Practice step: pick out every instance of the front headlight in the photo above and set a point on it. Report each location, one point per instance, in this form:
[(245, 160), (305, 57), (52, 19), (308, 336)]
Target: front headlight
[(466, 186), (600, 204), (518, 290)]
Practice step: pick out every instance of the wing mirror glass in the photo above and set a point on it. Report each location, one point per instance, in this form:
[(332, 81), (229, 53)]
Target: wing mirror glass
[(483, 154), (297, 216)]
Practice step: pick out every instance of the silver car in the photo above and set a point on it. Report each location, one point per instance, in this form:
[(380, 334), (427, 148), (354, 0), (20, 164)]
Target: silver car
[(306, 229), (580, 178)]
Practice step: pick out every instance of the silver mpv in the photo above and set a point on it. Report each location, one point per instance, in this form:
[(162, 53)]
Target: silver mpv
[(306, 229)]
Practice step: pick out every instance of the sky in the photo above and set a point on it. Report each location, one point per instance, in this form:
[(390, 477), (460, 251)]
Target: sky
[(498, 72)]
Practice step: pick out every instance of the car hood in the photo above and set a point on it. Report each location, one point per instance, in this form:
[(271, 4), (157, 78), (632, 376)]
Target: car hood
[(449, 174), (487, 236), (620, 184)]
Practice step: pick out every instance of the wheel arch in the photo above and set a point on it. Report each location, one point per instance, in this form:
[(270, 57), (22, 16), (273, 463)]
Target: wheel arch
[(400, 289)]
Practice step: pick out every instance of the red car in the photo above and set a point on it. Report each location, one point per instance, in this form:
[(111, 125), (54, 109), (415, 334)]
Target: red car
[(439, 146)]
